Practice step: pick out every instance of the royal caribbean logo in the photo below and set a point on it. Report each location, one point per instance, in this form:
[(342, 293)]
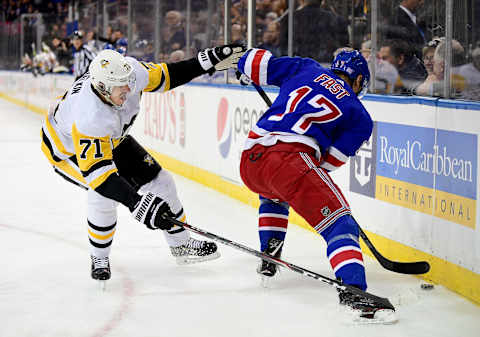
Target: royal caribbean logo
[(424, 169), (362, 167), (224, 128)]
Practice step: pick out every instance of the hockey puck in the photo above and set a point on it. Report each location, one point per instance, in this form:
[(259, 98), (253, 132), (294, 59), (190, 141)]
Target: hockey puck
[(426, 286)]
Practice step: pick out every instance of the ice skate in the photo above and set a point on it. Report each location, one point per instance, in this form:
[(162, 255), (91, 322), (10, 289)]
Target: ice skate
[(267, 270), (195, 251), (367, 311), (100, 270)]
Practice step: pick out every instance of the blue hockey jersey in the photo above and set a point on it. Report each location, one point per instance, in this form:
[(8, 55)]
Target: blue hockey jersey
[(314, 107)]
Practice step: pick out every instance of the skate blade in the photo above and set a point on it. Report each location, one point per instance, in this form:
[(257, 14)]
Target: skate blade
[(183, 260), (102, 284), (266, 281), (382, 316)]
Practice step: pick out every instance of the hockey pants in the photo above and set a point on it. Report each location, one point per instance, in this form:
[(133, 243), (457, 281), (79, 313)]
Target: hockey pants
[(289, 174)]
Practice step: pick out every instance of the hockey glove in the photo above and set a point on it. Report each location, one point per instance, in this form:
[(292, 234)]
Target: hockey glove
[(150, 211), (244, 80), (221, 58)]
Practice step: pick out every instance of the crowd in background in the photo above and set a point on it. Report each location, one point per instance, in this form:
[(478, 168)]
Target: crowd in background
[(411, 49)]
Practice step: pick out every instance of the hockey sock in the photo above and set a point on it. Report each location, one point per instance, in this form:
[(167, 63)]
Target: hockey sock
[(344, 253), (272, 221), (100, 238), (177, 236)]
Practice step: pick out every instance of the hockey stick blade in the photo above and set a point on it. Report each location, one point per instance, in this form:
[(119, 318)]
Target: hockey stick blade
[(413, 268), (340, 286)]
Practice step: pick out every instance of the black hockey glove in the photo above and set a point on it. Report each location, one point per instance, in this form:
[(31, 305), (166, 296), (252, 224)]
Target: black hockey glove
[(150, 211), (244, 80), (221, 58)]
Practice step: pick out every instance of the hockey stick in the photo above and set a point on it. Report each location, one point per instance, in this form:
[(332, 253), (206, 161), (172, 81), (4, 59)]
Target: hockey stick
[(340, 286), (413, 268)]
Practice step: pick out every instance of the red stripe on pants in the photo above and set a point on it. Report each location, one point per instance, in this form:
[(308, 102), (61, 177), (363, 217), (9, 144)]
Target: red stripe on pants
[(280, 172)]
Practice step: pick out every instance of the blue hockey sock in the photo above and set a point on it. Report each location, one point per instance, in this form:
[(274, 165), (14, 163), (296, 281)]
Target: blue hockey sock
[(344, 253), (272, 221)]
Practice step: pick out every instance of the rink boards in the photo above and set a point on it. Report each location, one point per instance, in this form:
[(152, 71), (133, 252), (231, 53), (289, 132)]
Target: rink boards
[(413, 186)]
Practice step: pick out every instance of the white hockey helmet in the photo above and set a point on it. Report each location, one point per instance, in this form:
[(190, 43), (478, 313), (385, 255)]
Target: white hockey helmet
[(110, 69)]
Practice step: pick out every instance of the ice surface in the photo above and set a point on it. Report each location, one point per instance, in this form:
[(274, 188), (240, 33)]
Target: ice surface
[(46, 290)]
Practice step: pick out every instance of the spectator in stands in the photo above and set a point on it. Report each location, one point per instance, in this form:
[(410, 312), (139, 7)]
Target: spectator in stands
[(270, 17), (62, 50), (239, 35), (410, 68), (270, 39), (279, 7), (471, 73), (428, 52), (117, 41), (176, 56), (53, 31), (120, 41), (386, 75), (239, 12), (92, 42), (198, 31), (341, 24), (174, 33), (434, 84), (312, 32), (403, 26)]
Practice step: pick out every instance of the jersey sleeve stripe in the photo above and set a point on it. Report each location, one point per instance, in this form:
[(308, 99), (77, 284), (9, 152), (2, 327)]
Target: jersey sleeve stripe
[(333, 160), (97, 166), (167, 77), (256, 62), (100, 179), (337, 154), (48, 149), (162, 81), (256, 65), (327, 166), (52, 135)]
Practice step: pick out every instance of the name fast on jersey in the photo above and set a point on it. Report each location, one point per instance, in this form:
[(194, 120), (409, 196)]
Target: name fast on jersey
[(332, 85), (314, 107)]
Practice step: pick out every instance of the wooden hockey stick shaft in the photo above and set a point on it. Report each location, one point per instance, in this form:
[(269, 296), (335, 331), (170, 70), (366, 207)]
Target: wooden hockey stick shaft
[(414, 268)]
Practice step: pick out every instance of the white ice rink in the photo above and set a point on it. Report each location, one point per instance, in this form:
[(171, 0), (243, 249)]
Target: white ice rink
[(46, 290)]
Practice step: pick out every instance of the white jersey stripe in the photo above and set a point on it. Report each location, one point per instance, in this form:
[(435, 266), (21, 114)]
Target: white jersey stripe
[(337, 154)]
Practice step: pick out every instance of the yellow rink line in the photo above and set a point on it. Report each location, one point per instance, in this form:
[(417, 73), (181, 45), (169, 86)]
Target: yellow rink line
[(24, 104), (454, 277)]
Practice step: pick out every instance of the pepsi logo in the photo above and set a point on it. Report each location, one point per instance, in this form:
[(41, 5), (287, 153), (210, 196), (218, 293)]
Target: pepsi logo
[(224, 128)]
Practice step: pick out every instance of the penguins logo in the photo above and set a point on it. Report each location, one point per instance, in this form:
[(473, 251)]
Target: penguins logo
[(104, 63), (149, 160)]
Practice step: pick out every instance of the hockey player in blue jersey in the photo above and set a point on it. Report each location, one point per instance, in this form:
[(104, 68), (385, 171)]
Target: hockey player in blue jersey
[(314, 125)]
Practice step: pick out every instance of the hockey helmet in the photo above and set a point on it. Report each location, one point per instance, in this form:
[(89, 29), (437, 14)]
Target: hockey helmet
[(108, 70), (352, 64)]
